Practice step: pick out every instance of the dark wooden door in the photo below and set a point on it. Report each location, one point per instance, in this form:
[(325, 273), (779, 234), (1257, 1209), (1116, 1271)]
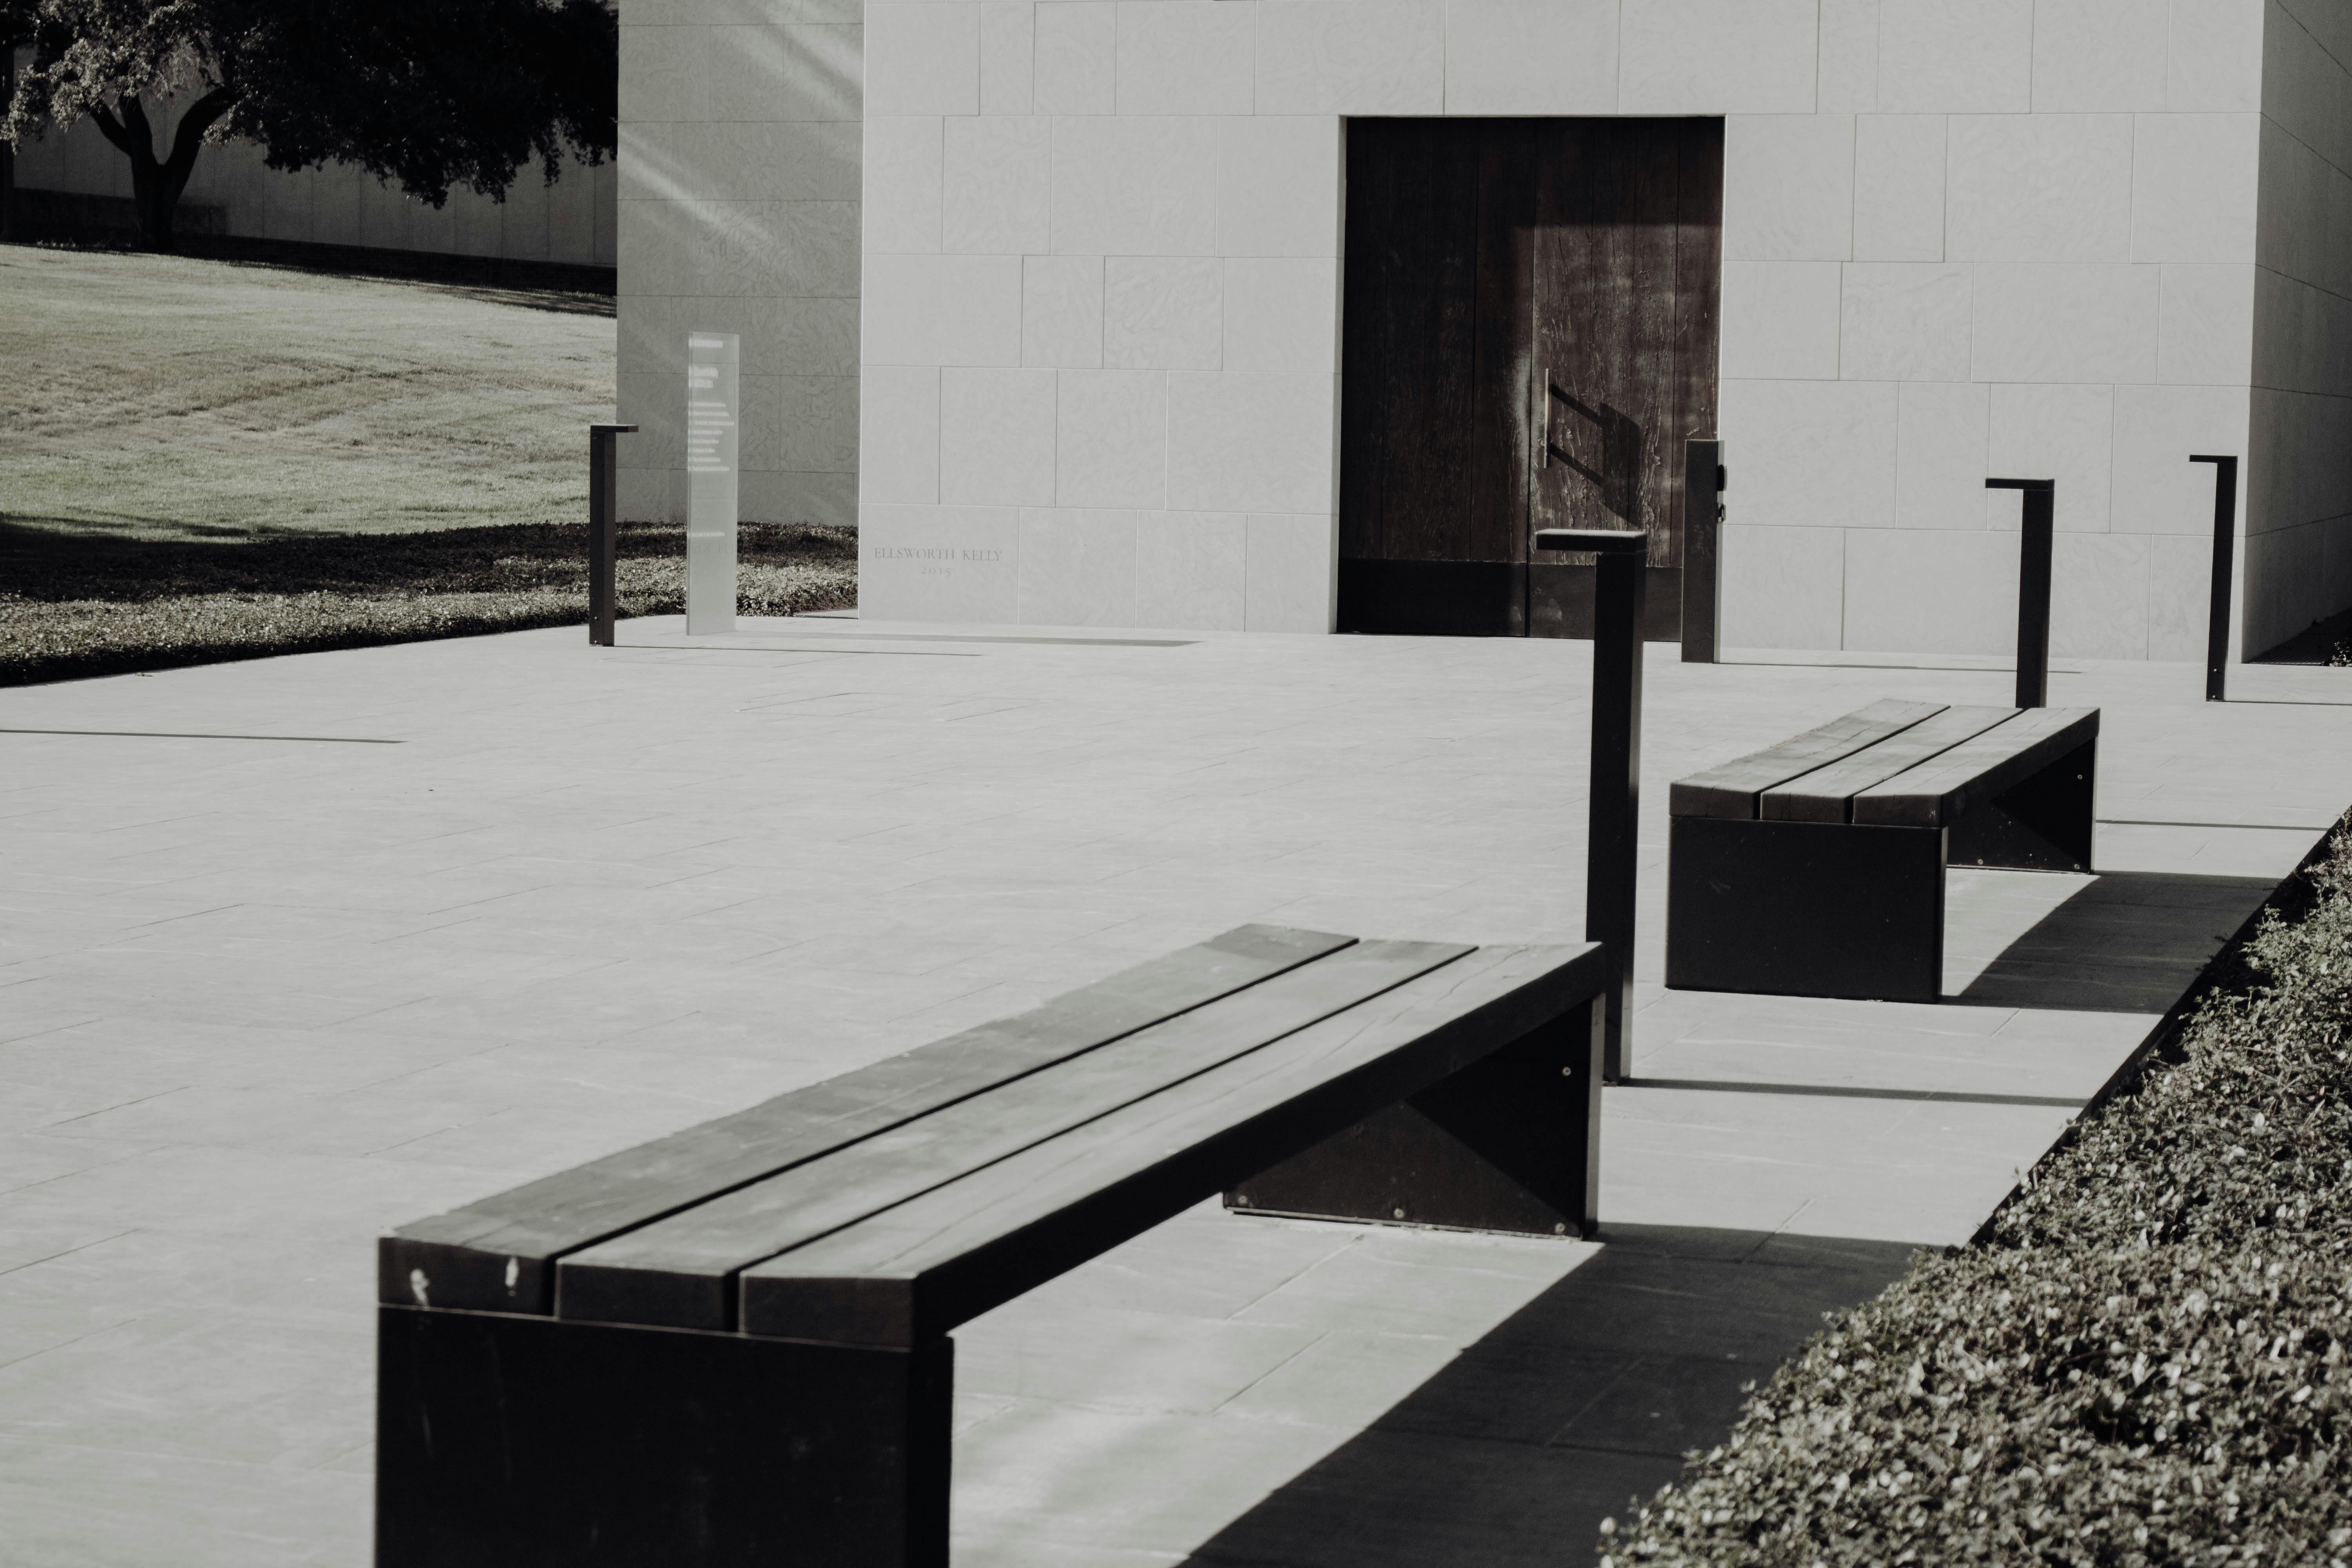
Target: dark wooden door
[(1529, 336)]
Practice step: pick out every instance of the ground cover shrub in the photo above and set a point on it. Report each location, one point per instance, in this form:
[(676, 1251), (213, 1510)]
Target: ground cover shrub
[(74, 605), (2143, 1361)]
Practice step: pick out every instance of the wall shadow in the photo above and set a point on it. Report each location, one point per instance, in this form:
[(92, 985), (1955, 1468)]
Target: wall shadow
[(1583, 1399), (2130, 942)]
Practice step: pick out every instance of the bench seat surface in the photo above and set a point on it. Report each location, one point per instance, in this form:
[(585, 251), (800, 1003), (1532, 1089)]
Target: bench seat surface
[(1891, 764), (910, 1195), (921, 1267), (1730, 788), (679, 1272), (498, 1254), (1826, 794), (1948, 786)]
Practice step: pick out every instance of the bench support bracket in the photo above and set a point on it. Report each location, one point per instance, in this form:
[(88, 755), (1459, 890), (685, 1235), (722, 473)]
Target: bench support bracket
[(2043, 824), (1510, 1143)]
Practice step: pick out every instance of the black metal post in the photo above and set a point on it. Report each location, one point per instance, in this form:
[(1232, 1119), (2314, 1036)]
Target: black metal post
[(2225, 546), (603, 530), (1702, 547), (2036, 507), (1610, 852)]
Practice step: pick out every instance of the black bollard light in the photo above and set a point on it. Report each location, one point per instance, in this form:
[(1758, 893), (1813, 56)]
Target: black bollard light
[(603, 530), (2225, 544), (2036, 507), (1611, 854), (1702, 548)]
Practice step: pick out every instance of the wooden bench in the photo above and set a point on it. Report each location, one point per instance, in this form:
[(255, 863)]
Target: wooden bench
[(1816, 867), (729, 1346)]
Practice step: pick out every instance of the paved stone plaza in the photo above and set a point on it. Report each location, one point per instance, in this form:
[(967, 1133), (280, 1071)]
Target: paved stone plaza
[(295, 951)]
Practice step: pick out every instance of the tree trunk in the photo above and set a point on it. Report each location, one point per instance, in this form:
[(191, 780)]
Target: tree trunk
[(7, 153), (156, 183)]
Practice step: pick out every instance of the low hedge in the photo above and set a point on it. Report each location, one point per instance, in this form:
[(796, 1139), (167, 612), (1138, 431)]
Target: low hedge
[(74, 605), (2143, 1361)]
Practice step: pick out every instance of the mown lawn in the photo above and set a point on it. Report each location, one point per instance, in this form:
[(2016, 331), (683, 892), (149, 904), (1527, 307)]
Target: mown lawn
[(203, 460)]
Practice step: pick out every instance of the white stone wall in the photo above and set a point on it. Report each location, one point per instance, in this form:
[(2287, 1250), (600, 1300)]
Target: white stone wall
[(2298, 556), (1961, 238), (739, 212), (2014, 236), (571, 221), (1101, 304)]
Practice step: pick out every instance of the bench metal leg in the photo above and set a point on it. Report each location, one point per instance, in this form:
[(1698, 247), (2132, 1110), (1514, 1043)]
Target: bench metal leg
[(2042, 824), (521, 1442), (1803, 909), (1509, 1143)]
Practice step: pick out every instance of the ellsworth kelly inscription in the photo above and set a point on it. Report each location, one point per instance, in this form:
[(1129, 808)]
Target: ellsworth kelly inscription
[(935, 560)]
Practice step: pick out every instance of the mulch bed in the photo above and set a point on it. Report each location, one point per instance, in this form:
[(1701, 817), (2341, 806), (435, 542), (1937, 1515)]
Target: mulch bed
[(72, 605), (2142, 1362)]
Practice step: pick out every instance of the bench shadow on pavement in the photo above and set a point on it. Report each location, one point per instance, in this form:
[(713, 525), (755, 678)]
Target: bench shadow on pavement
[(2130, 942), (1589, 1397), (1582, 1400)]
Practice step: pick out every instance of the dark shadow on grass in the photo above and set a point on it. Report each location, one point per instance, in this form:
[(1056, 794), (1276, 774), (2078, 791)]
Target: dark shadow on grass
[(2130, 942), (74, 605), (49, 564), (1584, 1399), (563, 288)]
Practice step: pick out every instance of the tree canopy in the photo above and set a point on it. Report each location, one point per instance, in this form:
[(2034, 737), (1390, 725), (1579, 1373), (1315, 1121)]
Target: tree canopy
[(428, 94)]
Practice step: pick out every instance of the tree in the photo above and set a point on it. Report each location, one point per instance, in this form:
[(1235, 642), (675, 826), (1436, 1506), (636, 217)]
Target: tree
[(15, 32), (427, 93)]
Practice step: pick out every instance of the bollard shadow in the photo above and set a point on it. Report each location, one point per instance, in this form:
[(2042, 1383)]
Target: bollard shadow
[(2128, 941), (1583, 1399), (1613, 454)]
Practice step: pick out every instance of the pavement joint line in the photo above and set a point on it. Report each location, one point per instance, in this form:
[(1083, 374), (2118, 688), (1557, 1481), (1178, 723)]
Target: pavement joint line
[(180, 735), (1939, 668), (2246, 826), (68, 1252), (1844, 1091), (961, 637), (63, 1344), (757, 648)]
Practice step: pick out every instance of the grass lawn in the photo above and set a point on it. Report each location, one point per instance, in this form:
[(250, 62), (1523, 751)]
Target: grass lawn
[(165, 396), (203, 461)]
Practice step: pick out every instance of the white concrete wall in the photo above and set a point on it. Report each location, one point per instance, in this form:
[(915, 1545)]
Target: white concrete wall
[(2299, 567), (1961, 237), (739, 212), (571, 221)]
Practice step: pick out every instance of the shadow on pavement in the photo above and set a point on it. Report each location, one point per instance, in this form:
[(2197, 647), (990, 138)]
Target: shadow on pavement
[(1583, 1399), (2130, 942)]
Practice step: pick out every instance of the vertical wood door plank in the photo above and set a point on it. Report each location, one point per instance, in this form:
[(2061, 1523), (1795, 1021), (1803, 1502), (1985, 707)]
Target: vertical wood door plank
[(1698, 273), (1505, 353)]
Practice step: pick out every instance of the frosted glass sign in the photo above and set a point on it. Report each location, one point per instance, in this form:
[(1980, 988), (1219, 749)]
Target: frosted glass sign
[(713, 367)]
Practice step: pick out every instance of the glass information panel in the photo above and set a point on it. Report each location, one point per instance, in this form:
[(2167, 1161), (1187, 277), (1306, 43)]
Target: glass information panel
[(713, 367)]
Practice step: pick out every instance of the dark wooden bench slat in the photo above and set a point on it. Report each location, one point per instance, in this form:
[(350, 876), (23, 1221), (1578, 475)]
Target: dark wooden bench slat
[(1942, 790), (921, 1269), (1826, 794), (1730, 789), (498, 1255), (679, 1272)]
